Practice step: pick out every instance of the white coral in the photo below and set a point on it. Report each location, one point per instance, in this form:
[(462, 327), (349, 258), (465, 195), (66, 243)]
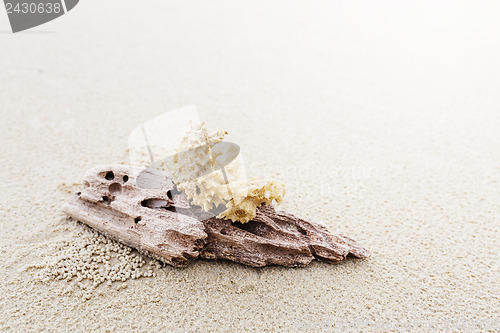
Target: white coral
[(196, 170)]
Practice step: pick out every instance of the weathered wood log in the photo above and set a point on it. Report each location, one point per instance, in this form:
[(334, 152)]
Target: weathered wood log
[(143, 209)]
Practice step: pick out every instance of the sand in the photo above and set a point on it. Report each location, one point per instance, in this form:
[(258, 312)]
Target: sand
[(382, 120)]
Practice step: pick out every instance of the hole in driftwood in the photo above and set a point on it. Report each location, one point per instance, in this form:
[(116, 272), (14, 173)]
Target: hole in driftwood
[(302, 231), (158, 203), (169, 194), (115, 188), (105, 198), (125, 178), (223, 231), (154, 203), (110, 175), (137, 219)]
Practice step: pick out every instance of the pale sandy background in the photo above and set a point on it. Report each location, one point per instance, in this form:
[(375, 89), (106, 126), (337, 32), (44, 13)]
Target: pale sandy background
[(382, 119)]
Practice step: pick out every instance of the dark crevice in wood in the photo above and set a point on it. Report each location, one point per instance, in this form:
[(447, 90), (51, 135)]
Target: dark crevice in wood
[(271, 238)]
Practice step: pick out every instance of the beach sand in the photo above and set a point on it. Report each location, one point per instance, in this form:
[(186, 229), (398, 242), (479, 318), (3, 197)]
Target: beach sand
[(382, 120)]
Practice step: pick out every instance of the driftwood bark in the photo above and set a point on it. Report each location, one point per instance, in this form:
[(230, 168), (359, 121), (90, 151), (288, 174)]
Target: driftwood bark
[(277, 238), (142, 209)]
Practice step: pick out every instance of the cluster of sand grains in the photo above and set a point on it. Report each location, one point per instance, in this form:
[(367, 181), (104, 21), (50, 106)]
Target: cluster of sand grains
[(91, 262)]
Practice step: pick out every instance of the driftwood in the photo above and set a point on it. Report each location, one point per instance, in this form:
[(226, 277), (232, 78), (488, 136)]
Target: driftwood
[(142, 209), (277, 238)]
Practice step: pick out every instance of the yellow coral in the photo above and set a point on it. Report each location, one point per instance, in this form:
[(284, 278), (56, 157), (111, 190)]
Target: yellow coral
[(257, 194)]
